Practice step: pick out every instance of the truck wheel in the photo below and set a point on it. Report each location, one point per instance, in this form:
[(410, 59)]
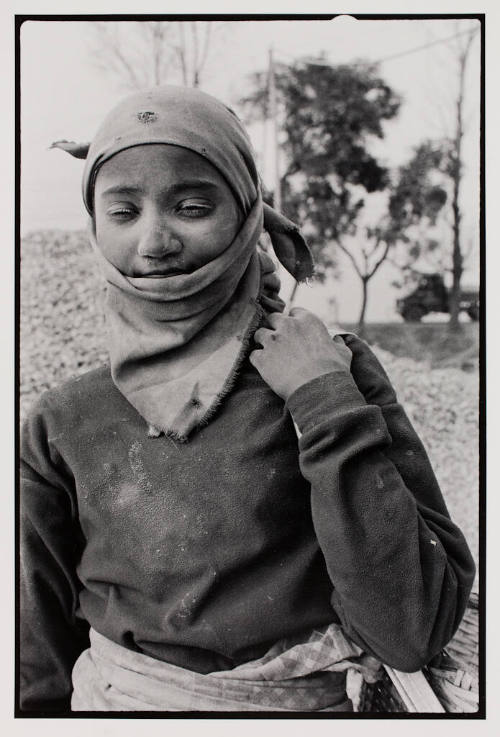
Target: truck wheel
[(413, 313), (473, 313)]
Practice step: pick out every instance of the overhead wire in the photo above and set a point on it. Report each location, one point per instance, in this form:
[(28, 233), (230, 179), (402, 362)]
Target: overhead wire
[(326, 63)]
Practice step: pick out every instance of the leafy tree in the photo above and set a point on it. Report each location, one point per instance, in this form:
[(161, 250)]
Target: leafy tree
[(328, 116), (413, 201), (434, 161), (417, 199)]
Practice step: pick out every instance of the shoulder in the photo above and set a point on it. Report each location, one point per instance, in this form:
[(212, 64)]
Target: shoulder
[(96, 382), (70, 402)]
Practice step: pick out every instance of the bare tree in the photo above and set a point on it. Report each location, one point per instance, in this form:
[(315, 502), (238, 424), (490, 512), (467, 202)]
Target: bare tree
[(192, 49), (149, 53), (373, 251), (446, 251), (455, 172)]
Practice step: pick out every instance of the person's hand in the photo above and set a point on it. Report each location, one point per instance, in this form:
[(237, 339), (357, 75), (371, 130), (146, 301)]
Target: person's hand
[(297, 348)]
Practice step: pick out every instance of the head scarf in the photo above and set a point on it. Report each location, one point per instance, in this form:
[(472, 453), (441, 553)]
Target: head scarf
[(176, 342)]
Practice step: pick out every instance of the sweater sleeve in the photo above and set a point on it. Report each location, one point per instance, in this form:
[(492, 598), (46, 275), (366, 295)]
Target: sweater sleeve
[(401, 570), (51, 634)]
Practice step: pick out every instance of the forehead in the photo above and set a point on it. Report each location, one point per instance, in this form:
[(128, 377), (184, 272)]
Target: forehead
[(157, 163)]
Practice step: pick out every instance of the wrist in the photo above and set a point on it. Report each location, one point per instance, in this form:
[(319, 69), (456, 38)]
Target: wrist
[(329, 395), (305, 375)]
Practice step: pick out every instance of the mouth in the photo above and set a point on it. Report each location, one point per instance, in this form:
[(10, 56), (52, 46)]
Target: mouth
[(159, 273)]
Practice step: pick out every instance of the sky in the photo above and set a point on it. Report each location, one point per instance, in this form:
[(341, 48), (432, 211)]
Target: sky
[(64, 95)]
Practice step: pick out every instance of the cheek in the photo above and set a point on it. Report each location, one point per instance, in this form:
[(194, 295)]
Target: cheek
[(212, 238), (113, 244), (101, 232), (228, 225)]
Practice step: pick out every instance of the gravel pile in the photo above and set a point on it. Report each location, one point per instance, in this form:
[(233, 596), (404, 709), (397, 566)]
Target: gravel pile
[(62, 325), (62, 335)]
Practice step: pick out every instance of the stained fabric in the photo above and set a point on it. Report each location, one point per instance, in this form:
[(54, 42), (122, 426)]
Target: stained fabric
[(204, 554), (176, 341)]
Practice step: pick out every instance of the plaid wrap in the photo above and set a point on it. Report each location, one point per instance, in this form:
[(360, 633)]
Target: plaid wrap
[(301, 674), (325, 649)]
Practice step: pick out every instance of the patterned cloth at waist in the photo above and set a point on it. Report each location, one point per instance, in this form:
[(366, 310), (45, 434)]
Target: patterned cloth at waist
[(303, 674)]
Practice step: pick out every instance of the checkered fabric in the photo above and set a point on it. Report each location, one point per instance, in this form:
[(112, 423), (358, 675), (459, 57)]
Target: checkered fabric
[(300, 674), (326, 649)]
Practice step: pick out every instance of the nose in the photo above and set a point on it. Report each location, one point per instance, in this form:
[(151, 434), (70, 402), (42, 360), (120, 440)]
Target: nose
[(158, 241)]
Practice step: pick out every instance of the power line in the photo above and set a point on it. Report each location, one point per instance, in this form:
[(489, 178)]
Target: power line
[(326, 63), (425, 46)]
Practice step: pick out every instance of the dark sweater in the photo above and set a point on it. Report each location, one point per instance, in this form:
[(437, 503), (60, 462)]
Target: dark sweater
[(203, 554)]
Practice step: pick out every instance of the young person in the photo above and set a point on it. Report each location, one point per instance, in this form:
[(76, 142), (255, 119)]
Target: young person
[(237, 509)]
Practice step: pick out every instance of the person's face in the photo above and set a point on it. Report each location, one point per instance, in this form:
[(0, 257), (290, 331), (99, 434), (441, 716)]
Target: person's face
[(162, 210)]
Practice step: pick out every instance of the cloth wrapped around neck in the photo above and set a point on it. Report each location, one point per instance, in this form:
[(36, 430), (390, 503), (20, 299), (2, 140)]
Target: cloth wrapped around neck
[(176, 342)]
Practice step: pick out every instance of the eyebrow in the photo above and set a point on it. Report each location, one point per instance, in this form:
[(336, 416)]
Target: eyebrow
[(204, 185)]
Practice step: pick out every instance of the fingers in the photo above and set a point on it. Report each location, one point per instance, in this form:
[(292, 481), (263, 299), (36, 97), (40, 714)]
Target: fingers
[(263, 335), (300, 312), (297, 313), (274, 319), (278, 322), (255, 359), (275, 324)]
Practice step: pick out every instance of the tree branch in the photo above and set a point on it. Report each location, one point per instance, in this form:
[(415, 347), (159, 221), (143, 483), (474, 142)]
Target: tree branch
[(206, 44), (194, 35), (181, 52), (380, 261), (351, 258), (115, 48)]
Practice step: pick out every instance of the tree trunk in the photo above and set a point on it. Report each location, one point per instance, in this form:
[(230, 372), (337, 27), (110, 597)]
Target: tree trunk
[(457, 268), (361, 320), (456, 174), (457, 259)]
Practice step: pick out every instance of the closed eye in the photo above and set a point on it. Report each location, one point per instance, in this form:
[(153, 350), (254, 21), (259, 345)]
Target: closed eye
[(194, 209), (121, 213)]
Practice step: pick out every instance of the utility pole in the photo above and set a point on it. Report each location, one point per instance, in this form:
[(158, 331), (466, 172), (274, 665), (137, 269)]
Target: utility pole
[(288, 283), (274, 122)]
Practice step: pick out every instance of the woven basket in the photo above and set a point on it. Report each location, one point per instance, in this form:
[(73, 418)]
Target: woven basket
[(449, 682)]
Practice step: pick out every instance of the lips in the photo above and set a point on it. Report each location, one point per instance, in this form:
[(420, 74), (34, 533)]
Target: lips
[(170, 272), (158, 273)]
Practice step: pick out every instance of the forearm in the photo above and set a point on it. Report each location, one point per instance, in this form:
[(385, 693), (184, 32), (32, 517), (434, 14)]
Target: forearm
[(401, 570), (51, 636)]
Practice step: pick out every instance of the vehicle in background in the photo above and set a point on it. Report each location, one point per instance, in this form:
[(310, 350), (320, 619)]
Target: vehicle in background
[(431, 295)]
